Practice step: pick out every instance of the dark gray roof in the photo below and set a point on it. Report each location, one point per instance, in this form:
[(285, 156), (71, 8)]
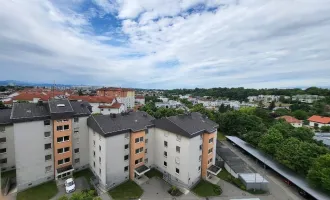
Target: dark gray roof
[(188, 125), (80, 108), (114, 124), (29, 112), (60, 109), (296, 179), (232, 160), (22, 112), (5, 117)]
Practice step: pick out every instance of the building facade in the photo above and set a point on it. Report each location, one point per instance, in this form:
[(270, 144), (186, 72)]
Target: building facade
[(123, 95), (7, 150)]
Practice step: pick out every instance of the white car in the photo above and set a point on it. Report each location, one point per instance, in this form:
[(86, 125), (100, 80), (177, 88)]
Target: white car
[(70, 186)]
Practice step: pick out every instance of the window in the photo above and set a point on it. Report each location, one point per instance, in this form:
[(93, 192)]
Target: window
[(3, 161), (66, 127), (66, 160), (76, 119), (146, 151), (165, 163), (147, 131), (126, 135), (125, 157), (146, 141), (60, 150), (100, 171), (177, 170), (60, 162), (210, 150), (48, 157), (165, 154), (139, 150), (66, 138), (126, 169), (60, 139), (2, 128), (59, 128), (138, 161), (165, 143), (3, 140), (47, 122), (200, 158), (77, 160), (211, 140), (126, 146), (99, 159), (101, 109), (99, 147), (76, 150), (178, 149), (47, 134), (76, 130), (94, 153), (94, 142), (66, 149), (47, 146), (48, 168), (140, 139), (200, 147), (201, 137), (178, 138), (210, 161), (146, 161), (199, 168), (94, 164)]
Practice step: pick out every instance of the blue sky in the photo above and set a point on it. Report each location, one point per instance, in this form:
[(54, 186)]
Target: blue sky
[(167, 43)]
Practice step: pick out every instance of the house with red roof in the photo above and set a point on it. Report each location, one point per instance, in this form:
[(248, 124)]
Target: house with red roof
[(140, 100), (319, 121), (291, 120)]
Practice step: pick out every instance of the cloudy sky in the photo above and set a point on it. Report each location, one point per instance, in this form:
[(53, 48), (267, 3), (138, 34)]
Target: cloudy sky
[(167, 43)]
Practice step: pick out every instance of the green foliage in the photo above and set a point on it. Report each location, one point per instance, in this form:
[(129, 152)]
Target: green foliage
[(319, 174), (80, 92), (300, 106), (206, 189), (253, 137), (282, 112), (270, 141), (247, 110), (223, 108), (300, 114), (272, 105), (127, 190), (152, 99), (44, 191), (303, 133), (2, 105), (154, 172), (186, 103), (264, 115), (83, 195), (284, 128), (325, 129)]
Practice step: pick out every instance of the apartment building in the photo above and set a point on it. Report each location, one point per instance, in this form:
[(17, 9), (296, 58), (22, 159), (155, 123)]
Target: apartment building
[(125, 146), (50, 140), (123, 95), (7, 151)]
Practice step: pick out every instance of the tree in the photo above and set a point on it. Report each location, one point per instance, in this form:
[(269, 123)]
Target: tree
[(222, 108), (271, 105), (319, 174), (300, 114), (261, 104), (284, 128), (303, 134), (253, 137), (270, 141), (247, 110), (282, 112), (264, 115), (2, 105), (325, 129), (80, 92), (83, 195)]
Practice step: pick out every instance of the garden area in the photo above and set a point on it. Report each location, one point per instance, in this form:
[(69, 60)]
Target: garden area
[(206, 189), (87, 173), (154, 173), (41, 192), (127, 190)]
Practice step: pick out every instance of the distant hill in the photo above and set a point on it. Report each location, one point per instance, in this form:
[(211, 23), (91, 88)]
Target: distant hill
[(22, 83)]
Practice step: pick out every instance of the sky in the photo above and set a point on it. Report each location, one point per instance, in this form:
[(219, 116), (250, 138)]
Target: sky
[(167, 44)]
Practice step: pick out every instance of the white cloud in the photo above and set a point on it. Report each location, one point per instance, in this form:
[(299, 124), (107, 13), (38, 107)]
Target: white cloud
[(252, 43)]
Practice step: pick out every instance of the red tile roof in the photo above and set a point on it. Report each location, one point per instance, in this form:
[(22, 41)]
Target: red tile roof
[(31, 96), (139, 97), (289, 119), (319, 119), (92, 99), (115, 105)]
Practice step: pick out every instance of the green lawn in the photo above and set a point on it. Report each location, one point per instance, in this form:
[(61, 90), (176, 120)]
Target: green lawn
[(221, 136), (127, 190), (225, 175), (41, 192), (87, 173), (206, 189), (154, 172)]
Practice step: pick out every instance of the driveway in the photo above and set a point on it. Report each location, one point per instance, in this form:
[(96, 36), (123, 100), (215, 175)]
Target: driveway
[(81, 184)]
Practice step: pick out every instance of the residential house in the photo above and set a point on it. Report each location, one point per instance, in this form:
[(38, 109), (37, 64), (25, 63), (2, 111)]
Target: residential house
[(291, 120), (123, 95), (319, 121)]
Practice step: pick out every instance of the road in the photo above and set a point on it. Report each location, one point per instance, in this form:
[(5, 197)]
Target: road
[(277, 188)]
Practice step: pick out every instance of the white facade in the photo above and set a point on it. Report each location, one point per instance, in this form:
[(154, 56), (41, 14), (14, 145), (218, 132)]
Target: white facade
[(128, 101), (317, 124), (106, 111), (296, 124), (164, 99), (80, 144), (7, 159), (140, 101)]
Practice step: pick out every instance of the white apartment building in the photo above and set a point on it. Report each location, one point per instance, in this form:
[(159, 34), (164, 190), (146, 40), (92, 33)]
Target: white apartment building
[(183, 153), (139, 99), (7, 150)]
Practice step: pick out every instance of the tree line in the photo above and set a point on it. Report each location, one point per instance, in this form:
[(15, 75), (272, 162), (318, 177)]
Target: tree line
[(241, 93)]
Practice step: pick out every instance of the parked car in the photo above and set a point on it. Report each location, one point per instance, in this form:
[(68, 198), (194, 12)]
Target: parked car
[(70, 186)]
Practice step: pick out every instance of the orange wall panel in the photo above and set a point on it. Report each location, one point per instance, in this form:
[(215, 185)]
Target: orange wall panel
[(205, 155), (134, 156)]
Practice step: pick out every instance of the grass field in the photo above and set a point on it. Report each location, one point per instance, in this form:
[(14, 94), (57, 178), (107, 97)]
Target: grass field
[(41, 192), (127, 190)]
